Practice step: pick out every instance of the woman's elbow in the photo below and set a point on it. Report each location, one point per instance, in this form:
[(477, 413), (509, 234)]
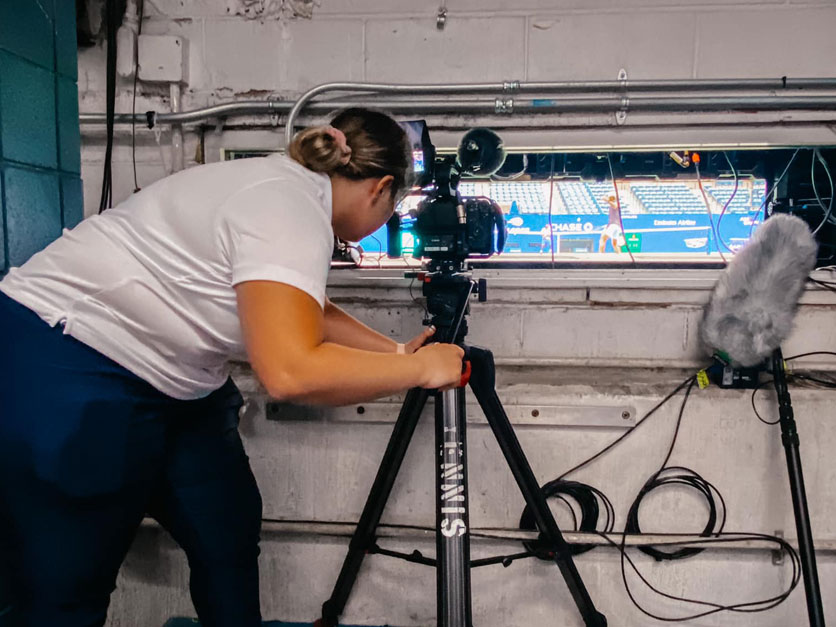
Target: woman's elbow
[(287, 387)]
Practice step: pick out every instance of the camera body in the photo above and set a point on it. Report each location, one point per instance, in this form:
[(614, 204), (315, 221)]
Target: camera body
[(449, 227)]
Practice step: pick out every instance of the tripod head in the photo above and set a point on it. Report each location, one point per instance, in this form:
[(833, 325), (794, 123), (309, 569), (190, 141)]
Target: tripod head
[(448, 286)]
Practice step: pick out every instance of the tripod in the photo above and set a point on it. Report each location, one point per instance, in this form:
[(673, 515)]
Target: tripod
[(448, 288), (789, 438)]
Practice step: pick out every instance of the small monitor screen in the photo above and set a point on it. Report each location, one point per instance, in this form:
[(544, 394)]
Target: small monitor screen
[(419, 143), (418, 160)]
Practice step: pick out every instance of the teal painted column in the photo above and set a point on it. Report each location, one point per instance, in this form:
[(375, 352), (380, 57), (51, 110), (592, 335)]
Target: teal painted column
[(40, 145)]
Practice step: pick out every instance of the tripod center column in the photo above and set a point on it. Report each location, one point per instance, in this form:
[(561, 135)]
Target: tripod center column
[(453, 536)]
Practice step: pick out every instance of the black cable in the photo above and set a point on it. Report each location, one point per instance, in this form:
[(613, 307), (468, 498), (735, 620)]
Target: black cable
[(826, 383), (110, 97), (800, 355), (587, 499), (418, 301), (768, 193), (817, 156), (728, 202), (708, 212), (745, 607), (725, 538), (711, 534), (111, 21), (607, 448), (828, 285), (133, 97), (379, 250), (678, 424), (755, 409), (678, 475), (829, 384)]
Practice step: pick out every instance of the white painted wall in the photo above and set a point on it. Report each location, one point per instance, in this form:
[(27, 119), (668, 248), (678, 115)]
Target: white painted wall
[(589, 340), (269, 53)]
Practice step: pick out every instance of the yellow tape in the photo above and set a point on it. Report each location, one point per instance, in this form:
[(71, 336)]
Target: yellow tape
[(702, 379)]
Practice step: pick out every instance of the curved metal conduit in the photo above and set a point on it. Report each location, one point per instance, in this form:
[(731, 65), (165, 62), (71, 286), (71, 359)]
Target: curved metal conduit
[(620, 100)]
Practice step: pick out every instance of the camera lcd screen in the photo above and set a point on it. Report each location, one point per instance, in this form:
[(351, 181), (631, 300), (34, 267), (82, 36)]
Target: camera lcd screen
[(423, 152), (418, 161)]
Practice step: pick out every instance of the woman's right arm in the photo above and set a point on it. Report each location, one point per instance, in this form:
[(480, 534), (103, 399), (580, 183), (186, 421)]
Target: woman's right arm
[(283, 331)]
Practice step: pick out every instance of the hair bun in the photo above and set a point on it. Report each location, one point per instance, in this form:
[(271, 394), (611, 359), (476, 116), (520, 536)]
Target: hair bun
[(318, 149)]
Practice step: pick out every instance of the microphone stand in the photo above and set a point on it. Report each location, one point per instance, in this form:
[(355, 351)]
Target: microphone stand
[(789, 437)]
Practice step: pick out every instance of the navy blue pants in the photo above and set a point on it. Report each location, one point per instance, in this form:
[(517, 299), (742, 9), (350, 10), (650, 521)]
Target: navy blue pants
[(87, 449)]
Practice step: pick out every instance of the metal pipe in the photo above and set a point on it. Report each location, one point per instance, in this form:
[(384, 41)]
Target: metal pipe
[(677, 103), (177, 150), (509, 87), (723, 84), (336, 529), (229, 109), (493, 107)]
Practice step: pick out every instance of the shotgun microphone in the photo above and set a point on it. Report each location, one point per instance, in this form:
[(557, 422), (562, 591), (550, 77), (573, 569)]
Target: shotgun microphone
[(752, 306)]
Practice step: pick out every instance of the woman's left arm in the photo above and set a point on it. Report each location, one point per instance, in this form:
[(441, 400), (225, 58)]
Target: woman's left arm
[(341, 328)]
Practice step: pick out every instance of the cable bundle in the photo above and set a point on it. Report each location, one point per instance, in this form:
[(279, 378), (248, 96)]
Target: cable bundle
[(587, 499)]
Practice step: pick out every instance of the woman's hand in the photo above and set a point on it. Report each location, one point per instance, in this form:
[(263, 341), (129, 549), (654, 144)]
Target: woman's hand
[(419, 340), (441, 366)]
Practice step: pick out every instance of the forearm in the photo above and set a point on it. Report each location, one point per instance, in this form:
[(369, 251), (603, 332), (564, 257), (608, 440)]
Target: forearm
[(331, 374), (345, 330)]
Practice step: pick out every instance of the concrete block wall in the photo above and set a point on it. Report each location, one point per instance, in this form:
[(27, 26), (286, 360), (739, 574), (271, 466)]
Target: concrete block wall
[(261, 49), (40, 158), (574, 346)]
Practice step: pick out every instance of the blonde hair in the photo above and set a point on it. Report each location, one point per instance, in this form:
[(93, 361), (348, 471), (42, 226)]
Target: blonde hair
[(379, 147)]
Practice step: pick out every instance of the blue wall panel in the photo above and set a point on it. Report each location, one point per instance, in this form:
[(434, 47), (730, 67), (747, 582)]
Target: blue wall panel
[(40, 147), (3, 262), (72, 195), (27, 97), (26, 29), (33, 211), (69, 137), (66, 54)]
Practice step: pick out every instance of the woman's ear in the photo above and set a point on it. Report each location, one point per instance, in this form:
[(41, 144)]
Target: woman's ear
[(384, 185)]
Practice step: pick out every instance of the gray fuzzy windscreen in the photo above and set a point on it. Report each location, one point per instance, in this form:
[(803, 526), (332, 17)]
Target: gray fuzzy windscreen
[(753, 304)]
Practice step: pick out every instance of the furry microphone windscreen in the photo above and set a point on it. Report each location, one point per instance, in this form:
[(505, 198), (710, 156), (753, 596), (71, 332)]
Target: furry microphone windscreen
[(751, 309)]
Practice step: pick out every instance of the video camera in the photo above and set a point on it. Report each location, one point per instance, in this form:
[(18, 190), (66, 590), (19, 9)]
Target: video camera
[(449, 228)]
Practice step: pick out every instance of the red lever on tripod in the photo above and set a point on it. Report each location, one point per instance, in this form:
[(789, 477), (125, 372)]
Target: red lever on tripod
[(466, 370)]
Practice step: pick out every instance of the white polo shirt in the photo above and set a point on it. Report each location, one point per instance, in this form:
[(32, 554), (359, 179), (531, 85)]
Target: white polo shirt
[(149, 283)]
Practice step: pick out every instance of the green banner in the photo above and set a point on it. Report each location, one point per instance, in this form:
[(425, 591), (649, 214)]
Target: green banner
[(634, 242)]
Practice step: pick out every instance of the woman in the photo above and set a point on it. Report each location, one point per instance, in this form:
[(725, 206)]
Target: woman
[(114, 389)]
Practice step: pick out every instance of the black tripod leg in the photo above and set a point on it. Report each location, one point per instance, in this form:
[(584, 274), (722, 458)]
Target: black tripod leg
[(364, 536), (789, 437), (482, 381)]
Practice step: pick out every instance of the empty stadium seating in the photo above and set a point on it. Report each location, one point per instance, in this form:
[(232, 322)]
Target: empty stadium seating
[(582, 198), (577, 198), (743, 200), (668, 198)]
